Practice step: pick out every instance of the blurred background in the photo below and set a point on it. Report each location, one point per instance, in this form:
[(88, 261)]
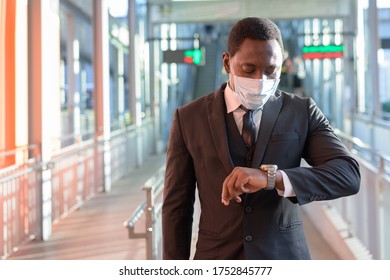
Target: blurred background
[(87, 93)]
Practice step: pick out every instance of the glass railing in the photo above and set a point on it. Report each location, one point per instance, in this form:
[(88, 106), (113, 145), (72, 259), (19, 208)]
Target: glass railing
[(368, 212)]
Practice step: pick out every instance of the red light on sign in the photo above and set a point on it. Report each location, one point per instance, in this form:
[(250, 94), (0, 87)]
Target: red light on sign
[(188, 59), (320, 55)]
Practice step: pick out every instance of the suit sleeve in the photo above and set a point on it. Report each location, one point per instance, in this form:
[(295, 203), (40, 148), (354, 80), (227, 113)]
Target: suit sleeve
[(179, 195), (334, 173)]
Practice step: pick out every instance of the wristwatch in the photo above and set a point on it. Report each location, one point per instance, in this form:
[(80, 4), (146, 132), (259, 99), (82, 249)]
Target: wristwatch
[(271, 175)]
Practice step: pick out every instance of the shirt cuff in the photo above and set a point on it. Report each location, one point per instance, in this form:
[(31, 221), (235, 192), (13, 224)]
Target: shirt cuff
[(288, 188)]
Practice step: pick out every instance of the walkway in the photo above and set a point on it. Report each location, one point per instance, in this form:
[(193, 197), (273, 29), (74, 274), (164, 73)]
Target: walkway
[(96, 231)]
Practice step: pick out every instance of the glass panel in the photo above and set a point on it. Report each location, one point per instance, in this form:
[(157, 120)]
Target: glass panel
[(77, 75), (119, 59)]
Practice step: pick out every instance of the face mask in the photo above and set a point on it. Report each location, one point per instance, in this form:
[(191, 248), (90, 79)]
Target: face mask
[(254, 93)]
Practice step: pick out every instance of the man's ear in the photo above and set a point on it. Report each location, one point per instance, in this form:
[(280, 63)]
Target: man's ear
[(226, 62)]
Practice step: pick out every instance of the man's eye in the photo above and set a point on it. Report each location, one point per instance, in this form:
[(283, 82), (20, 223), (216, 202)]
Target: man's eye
[(248, 70)]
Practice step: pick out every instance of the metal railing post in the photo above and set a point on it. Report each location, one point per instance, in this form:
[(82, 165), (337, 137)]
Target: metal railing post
[(149, 222), (153, 189)]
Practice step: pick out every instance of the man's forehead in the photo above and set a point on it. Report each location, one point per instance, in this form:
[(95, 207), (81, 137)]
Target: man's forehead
[(252, 49)]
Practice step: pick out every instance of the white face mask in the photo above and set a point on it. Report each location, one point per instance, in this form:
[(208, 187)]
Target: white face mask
[(254, 93)]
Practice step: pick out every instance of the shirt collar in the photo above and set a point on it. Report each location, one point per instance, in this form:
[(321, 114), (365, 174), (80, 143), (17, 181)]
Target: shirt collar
[(232, 100)]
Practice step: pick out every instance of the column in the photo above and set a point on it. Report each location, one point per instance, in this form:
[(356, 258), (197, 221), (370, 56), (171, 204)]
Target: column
[(373, 45), (21, 78), (44, 86), (349, 100), (375, 109), (154, 95), (102, 86), (9, 80), (135, 92)]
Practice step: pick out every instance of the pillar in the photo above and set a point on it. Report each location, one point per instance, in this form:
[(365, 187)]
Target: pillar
[(44, 86), (102, 86)]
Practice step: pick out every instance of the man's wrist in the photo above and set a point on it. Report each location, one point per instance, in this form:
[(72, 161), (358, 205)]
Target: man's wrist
[(279, 183)]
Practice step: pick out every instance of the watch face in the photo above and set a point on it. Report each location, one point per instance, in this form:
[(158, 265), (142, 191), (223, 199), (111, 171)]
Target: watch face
[(269, 167)]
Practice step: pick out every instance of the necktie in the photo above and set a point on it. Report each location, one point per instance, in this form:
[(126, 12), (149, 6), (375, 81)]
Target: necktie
[(248, 128)]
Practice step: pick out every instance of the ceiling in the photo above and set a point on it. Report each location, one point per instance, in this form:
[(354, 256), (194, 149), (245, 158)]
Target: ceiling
[(232, 10)]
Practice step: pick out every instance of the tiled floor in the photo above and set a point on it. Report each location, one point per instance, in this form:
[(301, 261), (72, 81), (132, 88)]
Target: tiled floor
[(96, 231)]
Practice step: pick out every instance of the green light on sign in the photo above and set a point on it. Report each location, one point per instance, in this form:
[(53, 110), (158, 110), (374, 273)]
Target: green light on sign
[(193, 56), (323, 49)]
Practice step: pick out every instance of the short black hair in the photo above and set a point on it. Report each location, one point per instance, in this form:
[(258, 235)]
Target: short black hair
[(253, 28)]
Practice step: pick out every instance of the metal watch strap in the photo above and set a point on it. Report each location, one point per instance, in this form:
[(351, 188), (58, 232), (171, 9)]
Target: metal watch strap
[(271, 175)]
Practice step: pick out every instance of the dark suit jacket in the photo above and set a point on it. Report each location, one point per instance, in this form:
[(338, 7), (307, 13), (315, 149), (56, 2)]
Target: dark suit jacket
[(264, 225)]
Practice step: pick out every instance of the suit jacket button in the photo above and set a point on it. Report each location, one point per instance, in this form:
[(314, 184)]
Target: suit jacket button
[(248, 238), (250, 157), (248, 209)]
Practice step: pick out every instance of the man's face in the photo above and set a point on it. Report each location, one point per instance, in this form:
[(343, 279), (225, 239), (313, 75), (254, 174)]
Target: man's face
[(255, 59)]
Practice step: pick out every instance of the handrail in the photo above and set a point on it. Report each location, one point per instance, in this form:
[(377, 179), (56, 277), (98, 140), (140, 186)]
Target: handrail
[(130, 224), (38, 167), (356, 141), (132, 128), (359, 143), (5, 153), (20, 156), (153, 188)]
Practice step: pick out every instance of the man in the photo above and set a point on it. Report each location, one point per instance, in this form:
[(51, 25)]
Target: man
[(250, 184)]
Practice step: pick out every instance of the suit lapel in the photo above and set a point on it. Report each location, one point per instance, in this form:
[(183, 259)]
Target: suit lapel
[(270, 113), (216, 119)]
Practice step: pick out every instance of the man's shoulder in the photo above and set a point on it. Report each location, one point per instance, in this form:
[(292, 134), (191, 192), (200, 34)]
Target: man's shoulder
[(291, 98)]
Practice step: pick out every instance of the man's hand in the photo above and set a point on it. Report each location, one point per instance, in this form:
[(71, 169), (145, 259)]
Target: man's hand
[(242, 180)]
